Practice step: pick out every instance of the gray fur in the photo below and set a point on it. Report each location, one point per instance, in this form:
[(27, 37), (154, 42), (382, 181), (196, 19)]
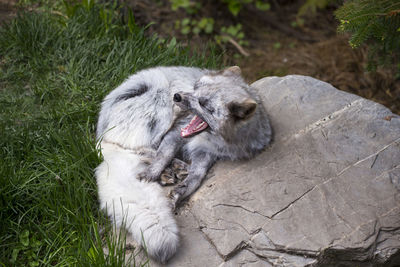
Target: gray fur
[(141, 89), (148, 117), (232, 134)]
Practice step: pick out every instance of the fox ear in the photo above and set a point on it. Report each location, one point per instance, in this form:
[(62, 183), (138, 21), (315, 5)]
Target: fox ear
[(234, 69), (243, 110)]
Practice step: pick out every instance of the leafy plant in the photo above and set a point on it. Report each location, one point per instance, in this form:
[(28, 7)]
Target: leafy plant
[(234, 35), (277, 45), (27, 250), (191, 7), (375, 23), (310, 7), (235, 6), (187, 25), (232, 32), (206, 25)]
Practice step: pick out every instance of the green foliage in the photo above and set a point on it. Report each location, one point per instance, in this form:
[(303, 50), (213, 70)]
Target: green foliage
[(191, 7), (55, 68), (277, 45), (376, 23), (26, 250), (234, 32), (235, 6), (312, 6), (40, 4), (193, 25), (261, 5), (205, 25), (187, 25)]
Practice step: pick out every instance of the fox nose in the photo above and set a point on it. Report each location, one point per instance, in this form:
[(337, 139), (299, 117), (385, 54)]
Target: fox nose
[(177, 98)]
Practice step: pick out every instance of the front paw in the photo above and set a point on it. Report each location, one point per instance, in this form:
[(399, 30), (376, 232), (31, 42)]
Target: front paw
[(177, 194), (167, 177), (147, 176)]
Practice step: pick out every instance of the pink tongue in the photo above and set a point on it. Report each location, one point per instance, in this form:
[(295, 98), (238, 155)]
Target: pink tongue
[(196, 125)]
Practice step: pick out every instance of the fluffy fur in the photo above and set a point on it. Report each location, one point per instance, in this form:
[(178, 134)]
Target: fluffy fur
[(140, 122)]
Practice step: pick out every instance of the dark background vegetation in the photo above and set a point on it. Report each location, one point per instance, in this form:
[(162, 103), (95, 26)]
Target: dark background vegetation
[(279, 42), (290, 37)]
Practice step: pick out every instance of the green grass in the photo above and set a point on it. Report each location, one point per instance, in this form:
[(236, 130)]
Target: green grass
[(54, 72)]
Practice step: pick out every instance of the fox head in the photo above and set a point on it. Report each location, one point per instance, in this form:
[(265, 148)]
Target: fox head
[(221, 102)]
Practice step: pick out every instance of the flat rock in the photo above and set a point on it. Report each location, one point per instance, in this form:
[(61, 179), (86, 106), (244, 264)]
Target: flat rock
[(325, 193)]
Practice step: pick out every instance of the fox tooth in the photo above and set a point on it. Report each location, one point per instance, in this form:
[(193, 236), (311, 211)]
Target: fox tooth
[(199, 126), (194, 118)]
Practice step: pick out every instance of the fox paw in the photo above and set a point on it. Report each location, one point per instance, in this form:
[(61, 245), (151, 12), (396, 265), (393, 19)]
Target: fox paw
[(177, 194), (179, 168), (176, 171), (167, 177)]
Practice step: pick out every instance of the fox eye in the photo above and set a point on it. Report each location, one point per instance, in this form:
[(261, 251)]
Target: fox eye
[(203, 101), (204, 104)]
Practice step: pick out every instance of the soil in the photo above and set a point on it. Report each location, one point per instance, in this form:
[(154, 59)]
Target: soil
[(7, 10), (275, 48)]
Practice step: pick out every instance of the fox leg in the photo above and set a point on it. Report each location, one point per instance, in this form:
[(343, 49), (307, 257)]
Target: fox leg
[(201, 163), (169, 146)]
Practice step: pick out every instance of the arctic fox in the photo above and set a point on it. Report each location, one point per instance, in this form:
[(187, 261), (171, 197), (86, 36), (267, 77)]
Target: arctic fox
[(160, 113)]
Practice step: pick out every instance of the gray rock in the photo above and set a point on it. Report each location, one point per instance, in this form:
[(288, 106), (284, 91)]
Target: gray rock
[(325, 193)]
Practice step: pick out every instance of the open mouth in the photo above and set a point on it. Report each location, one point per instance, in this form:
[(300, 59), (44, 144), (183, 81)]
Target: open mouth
[(196, 125)]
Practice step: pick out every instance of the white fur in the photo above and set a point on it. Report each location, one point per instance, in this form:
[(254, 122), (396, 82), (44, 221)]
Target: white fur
[(206, 79), (140, 207)]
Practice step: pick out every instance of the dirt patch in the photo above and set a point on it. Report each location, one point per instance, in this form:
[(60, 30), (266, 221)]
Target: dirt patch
[(8, 10), (277, 48)]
